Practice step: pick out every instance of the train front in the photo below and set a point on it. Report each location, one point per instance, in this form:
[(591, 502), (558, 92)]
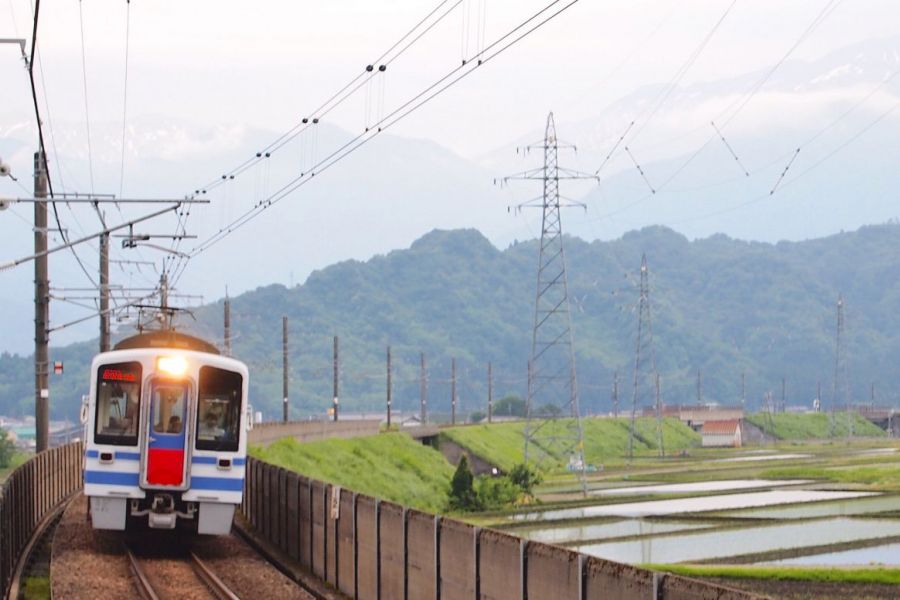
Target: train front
[(166, 436)]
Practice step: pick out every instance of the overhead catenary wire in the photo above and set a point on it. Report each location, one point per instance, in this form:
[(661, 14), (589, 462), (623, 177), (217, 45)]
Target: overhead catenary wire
[(451, 78)]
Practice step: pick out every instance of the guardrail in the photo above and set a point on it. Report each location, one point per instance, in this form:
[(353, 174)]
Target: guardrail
[(370, 548), (29, 496)]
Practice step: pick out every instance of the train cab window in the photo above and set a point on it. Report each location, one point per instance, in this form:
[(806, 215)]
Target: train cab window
[(118, 404), (219, 409), (168, 405)]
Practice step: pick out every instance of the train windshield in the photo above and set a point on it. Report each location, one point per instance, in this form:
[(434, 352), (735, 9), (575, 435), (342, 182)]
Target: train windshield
[(118, 404), (219, 409)]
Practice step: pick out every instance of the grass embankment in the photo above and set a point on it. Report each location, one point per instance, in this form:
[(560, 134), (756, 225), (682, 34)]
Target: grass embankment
[(605, 440), (391, 466), (869, 575), (885, 478), (787, 426), (18, 459)]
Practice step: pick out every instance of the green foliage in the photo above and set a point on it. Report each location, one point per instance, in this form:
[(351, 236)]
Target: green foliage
[(509, 406), (870, 575), (524, 477), (391, 466), (720, 305), (788, 426), (885, 477), (477, 417), (7, 449), (605, 439), (462, 495), (495, 493)]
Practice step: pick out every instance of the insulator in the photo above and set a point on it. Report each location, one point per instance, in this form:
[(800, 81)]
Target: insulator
[(316, 120), (268, 154), (382, 68), (305, 120), (369, 68), (258, 154)]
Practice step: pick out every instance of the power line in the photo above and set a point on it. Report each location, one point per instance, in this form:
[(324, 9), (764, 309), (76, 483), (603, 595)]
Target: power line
[(417, 101)]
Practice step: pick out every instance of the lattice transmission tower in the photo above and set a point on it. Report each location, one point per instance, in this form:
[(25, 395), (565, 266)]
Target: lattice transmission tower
[(840, 391), (645, 376), (553, 430)]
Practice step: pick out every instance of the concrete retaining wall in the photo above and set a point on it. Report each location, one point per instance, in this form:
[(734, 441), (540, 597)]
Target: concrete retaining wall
[(377, 550), (309, 431)]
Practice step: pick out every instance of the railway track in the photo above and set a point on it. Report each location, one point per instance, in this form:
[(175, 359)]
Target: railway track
[(148, 590)]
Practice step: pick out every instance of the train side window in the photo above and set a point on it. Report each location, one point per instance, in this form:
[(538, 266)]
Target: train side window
[(118, 404), (219, 409)]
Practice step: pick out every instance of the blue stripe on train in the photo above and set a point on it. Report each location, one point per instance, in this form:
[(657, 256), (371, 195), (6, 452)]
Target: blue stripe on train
[(118, 454), (217, 483), (211, 460), (198, 483), (111, 478)]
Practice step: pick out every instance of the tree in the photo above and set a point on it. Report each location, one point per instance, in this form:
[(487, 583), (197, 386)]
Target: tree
[(462, 489), (524, 477), (509, 406), (477, 416), (7, 449)]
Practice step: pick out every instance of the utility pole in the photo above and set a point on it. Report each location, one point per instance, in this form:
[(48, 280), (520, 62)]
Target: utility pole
[(783, 394), (659, 421), (423, 390), (228, 324), (699, 388), (743, 389), (104, 292), (284, 365), (41, 309), (554, 384), (453, 391), (490, 415), (818, 405), (335, 365), (389, 387), (615, 395)]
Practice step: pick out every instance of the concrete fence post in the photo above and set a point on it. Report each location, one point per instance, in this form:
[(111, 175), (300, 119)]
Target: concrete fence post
[(378, 549), (523, 567), (437, 558), (405, 553)]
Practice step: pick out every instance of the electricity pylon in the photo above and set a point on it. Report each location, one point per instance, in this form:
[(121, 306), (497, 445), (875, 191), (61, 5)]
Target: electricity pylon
[(553, 430), (841, 387), (645, 374)]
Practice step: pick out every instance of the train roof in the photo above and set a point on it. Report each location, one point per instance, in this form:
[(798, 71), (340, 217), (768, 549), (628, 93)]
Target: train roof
[(166, 339)]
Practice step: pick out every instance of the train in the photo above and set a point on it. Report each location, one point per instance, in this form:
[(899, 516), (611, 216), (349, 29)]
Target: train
[(166, 426)]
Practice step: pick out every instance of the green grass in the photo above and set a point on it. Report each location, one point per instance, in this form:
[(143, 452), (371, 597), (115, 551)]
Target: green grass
[(787, 426), (18, 459), (36, 588), (885, 477), (605, 440), (867, 575), (391, 466)]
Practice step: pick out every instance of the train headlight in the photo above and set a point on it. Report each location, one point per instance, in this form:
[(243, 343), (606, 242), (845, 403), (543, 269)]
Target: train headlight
[(176, 366)]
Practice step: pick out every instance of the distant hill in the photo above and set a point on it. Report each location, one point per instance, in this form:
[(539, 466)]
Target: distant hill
[(720, 305)]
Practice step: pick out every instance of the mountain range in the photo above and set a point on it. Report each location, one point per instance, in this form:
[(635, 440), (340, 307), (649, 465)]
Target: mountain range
[(721, 307)]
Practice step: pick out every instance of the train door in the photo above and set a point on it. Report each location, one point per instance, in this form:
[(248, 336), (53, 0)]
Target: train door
[(164, 461)]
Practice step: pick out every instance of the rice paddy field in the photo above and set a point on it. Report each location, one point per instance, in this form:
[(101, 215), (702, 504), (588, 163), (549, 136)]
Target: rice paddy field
[(814, 514)]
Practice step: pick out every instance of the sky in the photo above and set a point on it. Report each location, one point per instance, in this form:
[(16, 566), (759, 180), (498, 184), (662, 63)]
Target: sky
[(216, 70)]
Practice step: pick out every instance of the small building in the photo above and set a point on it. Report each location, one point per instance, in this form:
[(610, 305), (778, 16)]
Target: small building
[(721, 434)]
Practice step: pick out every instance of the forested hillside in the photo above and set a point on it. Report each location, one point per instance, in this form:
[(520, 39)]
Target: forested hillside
[(719, 305)]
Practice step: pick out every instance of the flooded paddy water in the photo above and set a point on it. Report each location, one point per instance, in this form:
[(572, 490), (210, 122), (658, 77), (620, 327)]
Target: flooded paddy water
[(743, 520)]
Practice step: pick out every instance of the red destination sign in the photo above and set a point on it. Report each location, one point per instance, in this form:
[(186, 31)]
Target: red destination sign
[(117, 375)]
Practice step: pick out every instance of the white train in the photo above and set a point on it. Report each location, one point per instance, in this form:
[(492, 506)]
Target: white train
[(166, 428)]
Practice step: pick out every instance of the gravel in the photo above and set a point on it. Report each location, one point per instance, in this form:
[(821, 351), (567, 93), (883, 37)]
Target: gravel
[(91, 564)]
